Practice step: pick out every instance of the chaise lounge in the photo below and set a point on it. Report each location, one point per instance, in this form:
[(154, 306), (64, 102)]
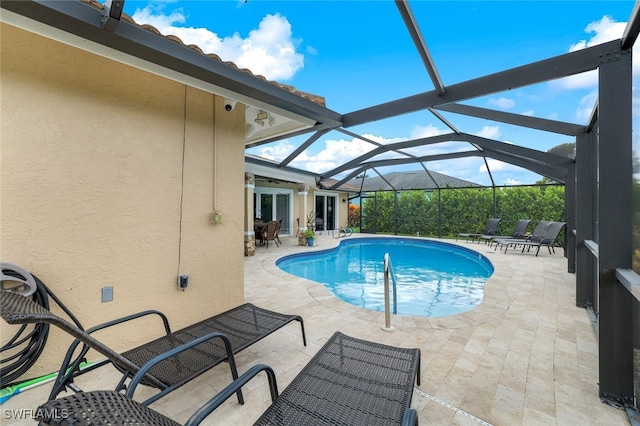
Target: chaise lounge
[(537, 235), (166, 363), (518, 232), (548, 241), (348, 382), (490, 229)]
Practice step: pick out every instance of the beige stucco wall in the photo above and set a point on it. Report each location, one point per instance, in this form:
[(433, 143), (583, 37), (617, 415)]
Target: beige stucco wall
[(95, 191)]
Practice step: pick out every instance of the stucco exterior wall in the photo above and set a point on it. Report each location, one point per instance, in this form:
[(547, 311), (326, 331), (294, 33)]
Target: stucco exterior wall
[(108, 177)]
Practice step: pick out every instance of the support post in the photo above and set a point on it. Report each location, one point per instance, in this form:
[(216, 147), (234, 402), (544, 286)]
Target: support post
[(614, 203), (570, 218), (585, 219)]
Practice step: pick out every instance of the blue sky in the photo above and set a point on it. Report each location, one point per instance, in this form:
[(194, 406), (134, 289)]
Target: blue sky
[(359, 53)]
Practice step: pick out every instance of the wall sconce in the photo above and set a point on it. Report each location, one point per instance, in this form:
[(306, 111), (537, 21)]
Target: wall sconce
[(216, 217), (263, 116)]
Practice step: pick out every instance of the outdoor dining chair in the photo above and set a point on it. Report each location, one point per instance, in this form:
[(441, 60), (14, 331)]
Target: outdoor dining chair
[(270, 233)]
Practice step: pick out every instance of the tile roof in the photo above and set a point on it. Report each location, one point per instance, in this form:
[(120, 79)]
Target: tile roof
[(411, 180), (126, 18)]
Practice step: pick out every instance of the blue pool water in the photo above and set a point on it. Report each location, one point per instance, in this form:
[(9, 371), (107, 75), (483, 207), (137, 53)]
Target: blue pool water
[(434, 279)]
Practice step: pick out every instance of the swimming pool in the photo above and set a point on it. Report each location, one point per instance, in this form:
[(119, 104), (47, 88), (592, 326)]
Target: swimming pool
[(434, 278)]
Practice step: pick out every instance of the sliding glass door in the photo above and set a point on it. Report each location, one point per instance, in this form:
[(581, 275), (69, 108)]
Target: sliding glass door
[(326, 212), (274, 204)]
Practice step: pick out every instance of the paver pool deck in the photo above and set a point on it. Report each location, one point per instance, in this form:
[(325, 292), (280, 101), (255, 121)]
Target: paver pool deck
[(525, 356)]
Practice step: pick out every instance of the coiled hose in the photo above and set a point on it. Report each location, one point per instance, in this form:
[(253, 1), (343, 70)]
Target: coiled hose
[(27, 344)]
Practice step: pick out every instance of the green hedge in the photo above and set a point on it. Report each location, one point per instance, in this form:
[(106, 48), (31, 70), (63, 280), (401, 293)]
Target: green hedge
[(461, 210)]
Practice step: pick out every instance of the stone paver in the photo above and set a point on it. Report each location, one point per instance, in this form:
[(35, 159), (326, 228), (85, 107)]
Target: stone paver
[(526, 355)]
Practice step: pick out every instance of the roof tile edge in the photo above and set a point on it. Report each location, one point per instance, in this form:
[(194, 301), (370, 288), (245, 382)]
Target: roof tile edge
[(126, 18)]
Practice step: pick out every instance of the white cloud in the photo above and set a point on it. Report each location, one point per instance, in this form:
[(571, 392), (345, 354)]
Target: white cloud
[(381, 139), (419, 132), (461, 168), (510, 181), (490, 132), (269, 50), (502, 103), (276, 152), (439, 148), (334, 153), (585, 80), (529, 113), (585, 107), (497, 166), (602, 31)]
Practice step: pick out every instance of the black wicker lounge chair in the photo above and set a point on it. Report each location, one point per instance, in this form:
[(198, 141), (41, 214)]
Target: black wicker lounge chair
[(549, 239), (490, 229), (537, 235), (167, 362), (348, 382), (518, 232)]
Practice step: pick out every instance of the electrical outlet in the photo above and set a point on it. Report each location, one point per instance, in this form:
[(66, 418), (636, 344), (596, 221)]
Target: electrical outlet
[(183, 281)]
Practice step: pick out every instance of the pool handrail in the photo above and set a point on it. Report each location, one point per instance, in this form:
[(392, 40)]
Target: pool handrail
[(388, 271)]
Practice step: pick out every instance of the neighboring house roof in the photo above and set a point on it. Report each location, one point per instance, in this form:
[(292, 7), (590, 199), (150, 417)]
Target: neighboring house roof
[(410, 180)]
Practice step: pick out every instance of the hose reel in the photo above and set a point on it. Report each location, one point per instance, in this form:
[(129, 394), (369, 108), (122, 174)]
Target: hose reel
[(15, 279), (26, 346)]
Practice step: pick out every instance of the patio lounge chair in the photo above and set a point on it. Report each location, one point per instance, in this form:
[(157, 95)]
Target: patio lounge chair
[(537, 235), (348, 382), (167, 362), (549, 239), (518, 232), (490, 229)]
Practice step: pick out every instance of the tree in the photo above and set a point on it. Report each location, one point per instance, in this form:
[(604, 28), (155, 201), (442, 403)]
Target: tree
[(353, 220), (565, 150)]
